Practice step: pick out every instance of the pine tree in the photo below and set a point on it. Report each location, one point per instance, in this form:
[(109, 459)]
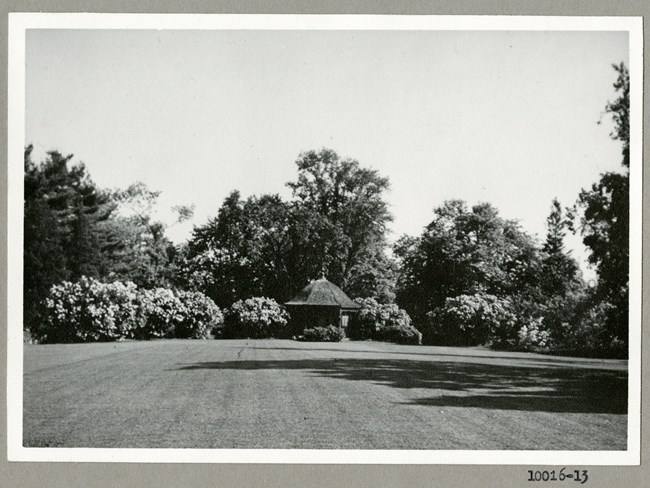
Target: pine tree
[(560, 272)]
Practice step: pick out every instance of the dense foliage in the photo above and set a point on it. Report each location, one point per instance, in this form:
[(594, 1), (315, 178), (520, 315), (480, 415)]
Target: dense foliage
[(199, 316), (323, 334), (464, 252), (161, 309), (604, 222), (265, 246), (399, 334), (73, 229), (98, 266), (470, 320), (62, 209), (88, 311), (255, 318), (382, 322)]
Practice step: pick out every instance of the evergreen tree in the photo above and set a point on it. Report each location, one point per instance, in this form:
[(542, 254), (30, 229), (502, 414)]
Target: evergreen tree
[(560, 272), (62, 207)]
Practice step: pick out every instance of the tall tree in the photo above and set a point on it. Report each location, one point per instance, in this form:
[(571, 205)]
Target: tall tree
[(83, 248), (351, 199), (43, 258), (266, 246), (605, 219), (134, 243), (62, 207), (245, 251), (560, 272), (464, 252), (561, 297)]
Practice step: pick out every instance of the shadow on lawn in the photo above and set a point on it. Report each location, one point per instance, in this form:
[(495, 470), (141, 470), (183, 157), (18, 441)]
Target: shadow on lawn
[(456, 384)]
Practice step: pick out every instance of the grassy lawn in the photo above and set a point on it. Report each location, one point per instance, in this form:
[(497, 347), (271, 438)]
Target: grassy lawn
[(285, 394)]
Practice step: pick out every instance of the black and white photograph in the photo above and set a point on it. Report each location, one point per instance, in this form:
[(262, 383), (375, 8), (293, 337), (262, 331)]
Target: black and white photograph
[(319, 239)]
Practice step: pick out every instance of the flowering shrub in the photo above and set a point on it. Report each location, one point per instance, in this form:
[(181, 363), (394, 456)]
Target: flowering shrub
[(469, 320), (88, 311), (382, 322), (255, 318), (323, 334), (198, 315), (364, 323), (160, 312), (532, 335)]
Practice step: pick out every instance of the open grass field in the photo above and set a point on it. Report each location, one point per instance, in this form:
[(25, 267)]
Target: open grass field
[(286, 394)]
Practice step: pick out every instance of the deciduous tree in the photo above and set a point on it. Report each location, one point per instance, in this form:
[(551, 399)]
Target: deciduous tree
[(605, 218), (464, 252)]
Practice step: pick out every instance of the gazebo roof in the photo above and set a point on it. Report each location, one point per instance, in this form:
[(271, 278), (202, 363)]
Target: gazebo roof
[(322, 292)]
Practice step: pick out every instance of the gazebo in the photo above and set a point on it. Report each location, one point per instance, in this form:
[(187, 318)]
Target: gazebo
[(319, 304)]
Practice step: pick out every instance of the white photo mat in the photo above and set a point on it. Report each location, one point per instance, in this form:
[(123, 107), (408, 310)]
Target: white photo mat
[(19, 23)]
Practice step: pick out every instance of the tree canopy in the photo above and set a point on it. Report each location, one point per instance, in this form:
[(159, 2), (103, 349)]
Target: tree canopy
[(265, 246), (604, 223), (463, 251), (73, 228), (471, 277)]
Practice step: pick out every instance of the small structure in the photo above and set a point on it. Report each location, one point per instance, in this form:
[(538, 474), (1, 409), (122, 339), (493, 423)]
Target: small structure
[(319, 304)]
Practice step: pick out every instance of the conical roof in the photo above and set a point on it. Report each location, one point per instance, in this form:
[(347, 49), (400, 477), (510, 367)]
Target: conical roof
[(323, 292)]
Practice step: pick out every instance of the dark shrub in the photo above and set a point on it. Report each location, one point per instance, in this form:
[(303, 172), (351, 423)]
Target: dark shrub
[(589, 337), (323, 334), (399, 334), (255, 318)]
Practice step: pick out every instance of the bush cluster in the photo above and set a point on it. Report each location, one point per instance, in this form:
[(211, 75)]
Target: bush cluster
[(532, 335), (576, 329), (90, 311), (470, 320), (159, 312), (382, 322), (255, 318), (399, 334), (589, 336), (200, 316), (323, 334)]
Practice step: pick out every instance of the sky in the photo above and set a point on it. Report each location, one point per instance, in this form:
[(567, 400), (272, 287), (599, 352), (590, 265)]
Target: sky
[(510, 118)]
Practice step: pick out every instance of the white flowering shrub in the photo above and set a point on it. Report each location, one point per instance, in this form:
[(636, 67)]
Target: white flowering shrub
[(89, 310), (469, 320), (199, 315), (255, 318), (160, 311), (382, 322), (532, 334)]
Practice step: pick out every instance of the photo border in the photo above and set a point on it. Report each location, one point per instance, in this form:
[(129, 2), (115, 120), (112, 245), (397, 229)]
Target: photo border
[(20, 22)]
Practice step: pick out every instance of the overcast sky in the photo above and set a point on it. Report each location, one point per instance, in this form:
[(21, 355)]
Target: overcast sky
[(509, 118)]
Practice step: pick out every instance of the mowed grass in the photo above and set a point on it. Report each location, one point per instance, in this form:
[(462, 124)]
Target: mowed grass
[(349, 395)]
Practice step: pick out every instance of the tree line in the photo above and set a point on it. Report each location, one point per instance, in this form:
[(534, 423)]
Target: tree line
[(471, 277)]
